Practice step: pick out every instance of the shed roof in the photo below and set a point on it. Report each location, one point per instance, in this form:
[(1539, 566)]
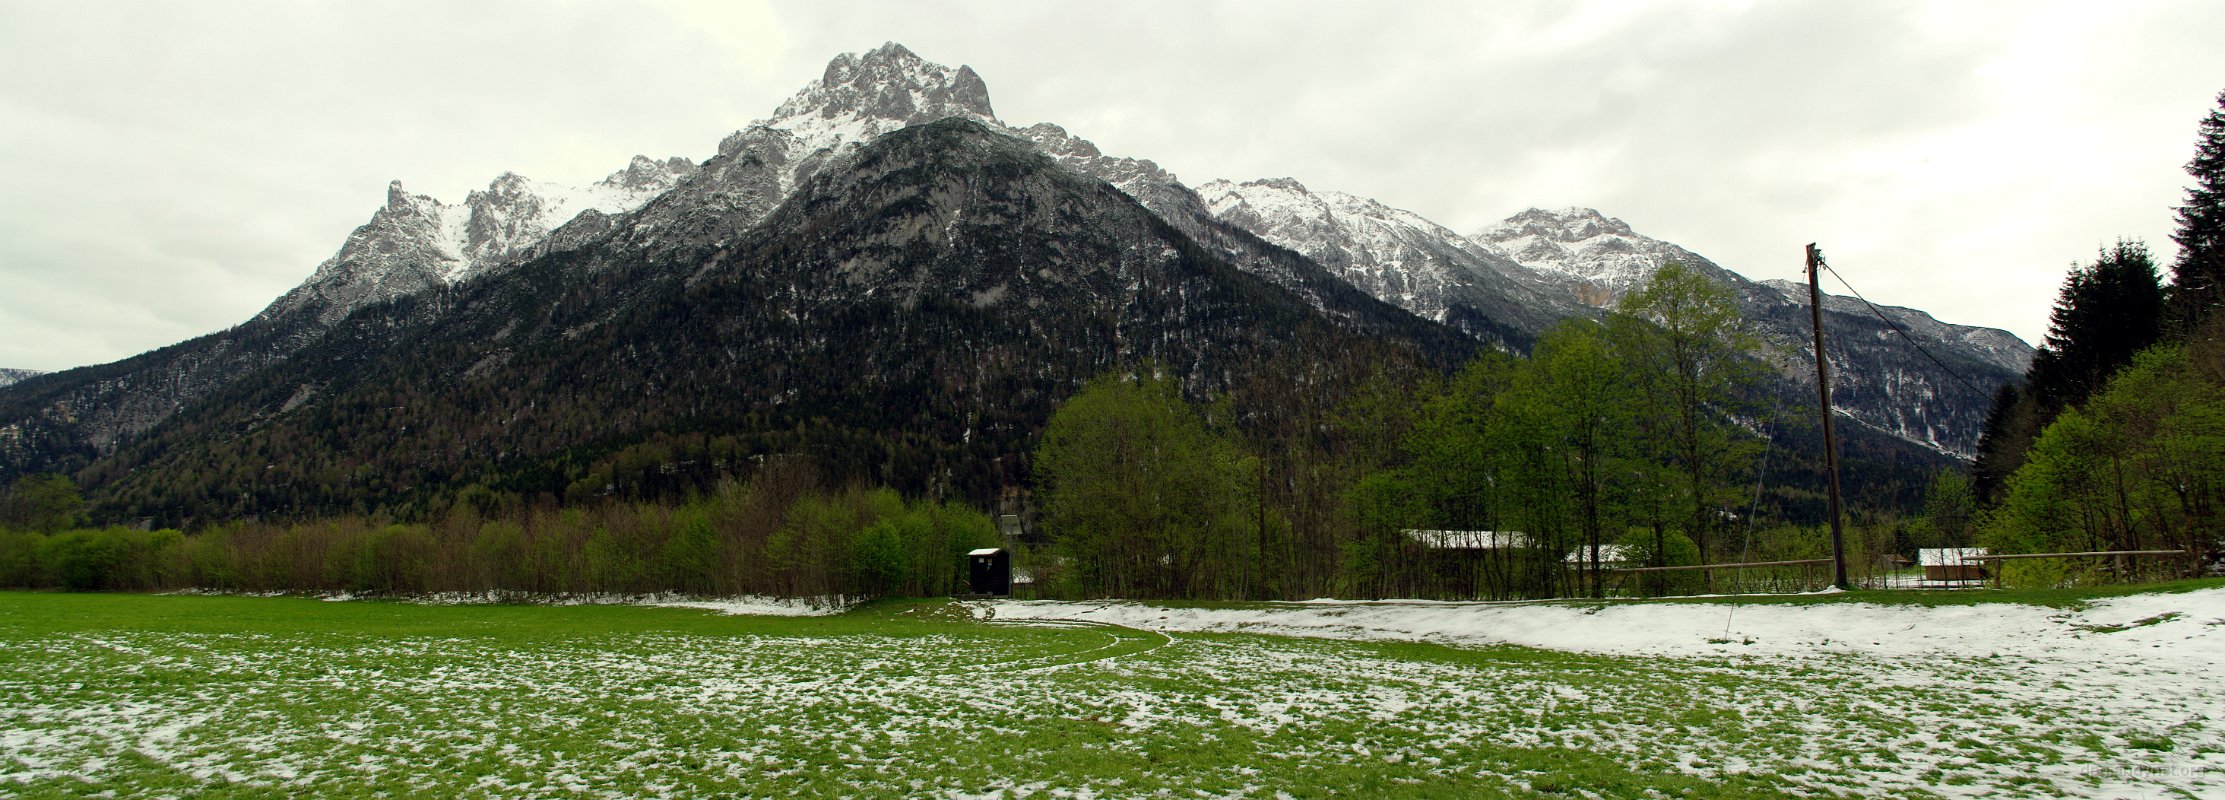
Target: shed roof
[(1950, 556), (986, 551), (1608, 554), (1468, 540)]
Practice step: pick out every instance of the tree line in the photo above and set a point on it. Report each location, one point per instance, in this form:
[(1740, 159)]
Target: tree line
[(1618, 443), (2115, 439), (781, 532)]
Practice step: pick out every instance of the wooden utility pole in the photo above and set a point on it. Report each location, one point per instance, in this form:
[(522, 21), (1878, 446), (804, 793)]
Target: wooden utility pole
[(1823, 393)]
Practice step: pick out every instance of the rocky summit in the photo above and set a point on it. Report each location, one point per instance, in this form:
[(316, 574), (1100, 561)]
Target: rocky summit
[(881, 270)]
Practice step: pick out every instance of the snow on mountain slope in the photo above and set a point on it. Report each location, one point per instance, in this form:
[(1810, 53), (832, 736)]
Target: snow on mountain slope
[(1992, 345), (1142, 179), (8, 376), (417, 242), (1878, 380), (861, 97), (1599, 255), (1391, 253)]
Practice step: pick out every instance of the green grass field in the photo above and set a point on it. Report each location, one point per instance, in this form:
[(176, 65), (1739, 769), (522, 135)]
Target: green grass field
[(140, 695)]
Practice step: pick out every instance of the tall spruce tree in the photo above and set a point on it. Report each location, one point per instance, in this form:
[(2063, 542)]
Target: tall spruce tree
[(2108, 311), (2198, 277), (2001, 445)]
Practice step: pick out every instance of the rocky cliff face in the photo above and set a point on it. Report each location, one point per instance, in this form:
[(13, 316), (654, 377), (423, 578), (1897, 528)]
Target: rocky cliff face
[(914, 311), (1540, 266), (416, 244), (1397, 256), (1879, 378)]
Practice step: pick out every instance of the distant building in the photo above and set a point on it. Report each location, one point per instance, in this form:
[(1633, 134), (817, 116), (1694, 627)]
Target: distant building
[(1467, 540), (990, 573), (1611, 556), (1952, 563), (1466, 565)]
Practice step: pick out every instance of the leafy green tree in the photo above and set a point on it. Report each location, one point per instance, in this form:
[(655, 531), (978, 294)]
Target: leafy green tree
[(1673, 549), (2140, 466), (1950, 511), (879, 560), (19, 558), (45, 503), (1687, 347), (1141, 497), (1572, 404), (1375, 425), (689, 558)]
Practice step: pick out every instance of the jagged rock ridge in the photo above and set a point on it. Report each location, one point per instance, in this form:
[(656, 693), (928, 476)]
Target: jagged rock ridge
[(510, 262), (1539, 266), (911, 315)]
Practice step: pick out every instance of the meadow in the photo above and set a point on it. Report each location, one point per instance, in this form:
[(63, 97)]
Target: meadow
[(231, 696)]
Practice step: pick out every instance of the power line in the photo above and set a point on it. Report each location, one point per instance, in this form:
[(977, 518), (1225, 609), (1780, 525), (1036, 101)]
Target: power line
[(1904, 334)]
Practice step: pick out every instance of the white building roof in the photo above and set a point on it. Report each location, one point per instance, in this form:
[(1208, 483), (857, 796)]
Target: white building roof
[(986, 551), (1468, 540), (1950, 556), (1608, 554)]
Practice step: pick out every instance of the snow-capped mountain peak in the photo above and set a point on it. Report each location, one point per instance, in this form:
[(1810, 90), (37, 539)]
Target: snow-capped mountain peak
[(891, 82), (10, 376), (1393, 254), (416, 242), (863, 96), (645, 174), (1584, 244)]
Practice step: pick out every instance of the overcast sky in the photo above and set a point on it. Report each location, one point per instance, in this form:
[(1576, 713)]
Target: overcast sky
[(173, 167)]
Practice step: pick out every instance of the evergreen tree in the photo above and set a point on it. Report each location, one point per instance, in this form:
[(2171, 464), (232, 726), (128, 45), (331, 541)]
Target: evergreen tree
[(2107, 312), (2001, 446), (2198, 278)]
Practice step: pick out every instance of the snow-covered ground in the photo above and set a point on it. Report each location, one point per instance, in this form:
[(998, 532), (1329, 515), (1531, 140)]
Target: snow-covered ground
[(2146, 672), (749, 605), (2186, 628), (2119, 700)]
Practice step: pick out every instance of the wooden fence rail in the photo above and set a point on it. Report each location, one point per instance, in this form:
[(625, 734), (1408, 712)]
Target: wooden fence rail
[(1796, 563), (2082, 555)]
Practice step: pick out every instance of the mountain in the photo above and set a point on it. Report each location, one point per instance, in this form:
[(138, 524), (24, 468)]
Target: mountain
[(1879, 378), (911, 314), (881, 273), (8, 376), (412, 244), (1595, 256), (1540, 266), (416, 244), (1399, 257)]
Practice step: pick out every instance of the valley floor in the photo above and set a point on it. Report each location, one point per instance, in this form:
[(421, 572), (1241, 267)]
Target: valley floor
[(235, 696)]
